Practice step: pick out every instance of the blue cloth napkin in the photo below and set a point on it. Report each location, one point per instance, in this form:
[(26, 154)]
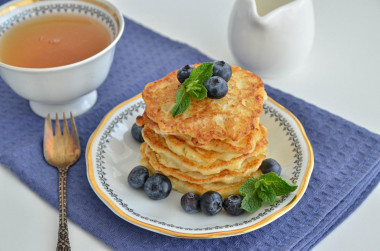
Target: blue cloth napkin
[(346, 168)]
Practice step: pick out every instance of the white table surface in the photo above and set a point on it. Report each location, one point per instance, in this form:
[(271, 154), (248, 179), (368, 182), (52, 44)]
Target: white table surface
[(342, 75)]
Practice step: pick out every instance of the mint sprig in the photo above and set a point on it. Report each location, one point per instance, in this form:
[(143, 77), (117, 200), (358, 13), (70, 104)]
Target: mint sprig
[(192, 87), (264, 189), (182, 100)]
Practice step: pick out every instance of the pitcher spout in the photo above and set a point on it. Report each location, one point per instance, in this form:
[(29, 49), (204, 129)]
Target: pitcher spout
[(264, 7), (262, 11)]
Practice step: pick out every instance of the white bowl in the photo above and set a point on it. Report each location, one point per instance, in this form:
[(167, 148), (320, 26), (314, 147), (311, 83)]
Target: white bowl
[(68, 88)]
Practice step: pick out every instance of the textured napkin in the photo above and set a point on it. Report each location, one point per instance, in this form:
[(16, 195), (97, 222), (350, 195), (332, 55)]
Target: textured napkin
[(346, 168)]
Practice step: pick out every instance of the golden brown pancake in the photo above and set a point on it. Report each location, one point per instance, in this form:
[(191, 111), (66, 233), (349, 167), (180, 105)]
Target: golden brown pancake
[(231, 117), (249, 166), (170, 159), (241, 146), (184, 187)]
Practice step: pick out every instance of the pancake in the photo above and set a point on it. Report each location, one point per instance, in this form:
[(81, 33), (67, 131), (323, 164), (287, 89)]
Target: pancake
[(231, 117), (170, 159), (184, 187), (241, 146), (249, 166)]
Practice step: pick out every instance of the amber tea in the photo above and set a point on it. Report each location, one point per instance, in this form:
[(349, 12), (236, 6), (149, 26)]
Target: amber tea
[(53, 40)]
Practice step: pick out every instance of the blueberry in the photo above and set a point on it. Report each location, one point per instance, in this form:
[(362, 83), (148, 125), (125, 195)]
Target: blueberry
[(190, 202), (216, 87), (270, 165), (211, 203), (222, 69), (136, 133), (232, 205), (157, 187), (138, 176), (184, 73)]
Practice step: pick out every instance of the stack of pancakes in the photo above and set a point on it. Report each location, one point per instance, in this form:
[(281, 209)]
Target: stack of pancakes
[(216, 144)]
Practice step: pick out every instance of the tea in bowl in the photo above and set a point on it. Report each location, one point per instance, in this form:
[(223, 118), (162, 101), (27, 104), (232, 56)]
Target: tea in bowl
[(57, 53)]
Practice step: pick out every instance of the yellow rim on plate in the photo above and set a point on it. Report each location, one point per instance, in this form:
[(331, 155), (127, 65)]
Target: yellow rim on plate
[(263, 222)]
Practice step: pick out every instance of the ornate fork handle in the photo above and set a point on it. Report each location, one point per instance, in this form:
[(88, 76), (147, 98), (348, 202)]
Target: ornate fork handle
[(63, 232)]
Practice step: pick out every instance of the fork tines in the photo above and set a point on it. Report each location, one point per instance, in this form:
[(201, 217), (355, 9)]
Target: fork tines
[(66, 131)]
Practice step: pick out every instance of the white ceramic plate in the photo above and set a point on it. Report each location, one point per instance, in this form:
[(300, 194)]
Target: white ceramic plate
[(112, 152)]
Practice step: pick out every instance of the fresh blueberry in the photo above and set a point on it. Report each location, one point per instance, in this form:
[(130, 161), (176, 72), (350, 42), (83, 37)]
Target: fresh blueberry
[(138, 176), (270, 165), (222, 69), (157, 187), (216, 87), (136, 133), (211, 203), (232, 205), (190, 202), (184, 73)]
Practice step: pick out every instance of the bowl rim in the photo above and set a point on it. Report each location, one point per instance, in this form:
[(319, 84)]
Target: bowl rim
[(101, 3)]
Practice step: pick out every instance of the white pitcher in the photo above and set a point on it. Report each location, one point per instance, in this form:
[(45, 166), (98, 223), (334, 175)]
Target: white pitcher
[(271, 37)]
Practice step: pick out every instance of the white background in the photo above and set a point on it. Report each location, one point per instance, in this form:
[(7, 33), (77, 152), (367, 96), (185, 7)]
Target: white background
[(342, 75)]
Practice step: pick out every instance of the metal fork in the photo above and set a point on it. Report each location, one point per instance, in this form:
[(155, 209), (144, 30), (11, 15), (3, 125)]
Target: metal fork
[(61, 151)]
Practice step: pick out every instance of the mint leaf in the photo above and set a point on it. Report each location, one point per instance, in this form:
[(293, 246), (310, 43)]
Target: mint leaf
[(264, 189), (192, 87), (198, 92), (278, 184), (251, 203), (183, 101), (248, 187), (199, 75), (266, 193)]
